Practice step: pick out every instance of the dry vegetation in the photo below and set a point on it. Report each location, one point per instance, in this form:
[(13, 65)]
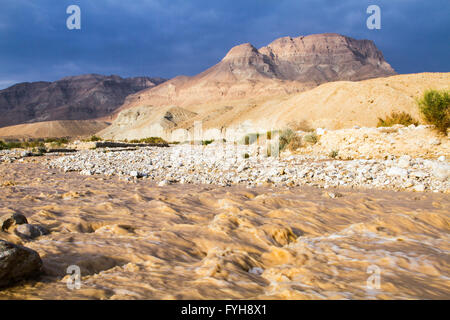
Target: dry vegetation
[(402, 118)]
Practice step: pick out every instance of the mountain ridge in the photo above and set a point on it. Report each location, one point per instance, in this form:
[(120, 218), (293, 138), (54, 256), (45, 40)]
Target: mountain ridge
[(82, 97), (287, 65)]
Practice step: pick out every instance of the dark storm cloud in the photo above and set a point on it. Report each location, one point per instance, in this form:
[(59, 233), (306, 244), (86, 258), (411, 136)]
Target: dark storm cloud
[(172, 37)]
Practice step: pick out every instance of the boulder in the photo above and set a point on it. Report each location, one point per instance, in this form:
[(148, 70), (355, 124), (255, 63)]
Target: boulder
[(396, 171), (30, 231), (10, 220), (17, 263)]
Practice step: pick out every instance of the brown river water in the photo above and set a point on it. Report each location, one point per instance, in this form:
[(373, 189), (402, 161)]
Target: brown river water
[(134, 240)]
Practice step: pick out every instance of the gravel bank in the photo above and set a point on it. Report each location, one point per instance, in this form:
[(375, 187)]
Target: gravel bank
[(230, 164)]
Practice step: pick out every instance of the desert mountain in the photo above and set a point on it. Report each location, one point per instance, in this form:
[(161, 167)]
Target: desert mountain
[(287, 65), (333, 105), (247, 77), (72, 98)]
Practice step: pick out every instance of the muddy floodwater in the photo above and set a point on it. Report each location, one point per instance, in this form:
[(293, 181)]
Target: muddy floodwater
[(135, 240)]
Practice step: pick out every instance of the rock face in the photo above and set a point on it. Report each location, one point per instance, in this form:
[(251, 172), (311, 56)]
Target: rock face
[(325, 57), (72, 98), (316, 58), (17, 263)]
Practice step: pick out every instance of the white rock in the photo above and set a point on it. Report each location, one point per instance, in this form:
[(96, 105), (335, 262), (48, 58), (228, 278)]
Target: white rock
[(435, 142), (404, 161), (134, 174), (87, 172), (320, 131), (441, 170), (256, 270), (395, 171), (419, 188), (163, 183)]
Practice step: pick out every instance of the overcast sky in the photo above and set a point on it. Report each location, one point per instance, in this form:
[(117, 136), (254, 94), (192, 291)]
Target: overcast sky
[(167, 38)]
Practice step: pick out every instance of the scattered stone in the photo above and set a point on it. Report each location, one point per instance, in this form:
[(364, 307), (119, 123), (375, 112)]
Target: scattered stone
[(395, 171), (435, 142), (404, 161), (17, 263), (441, 170), (163, 183), (256, 270), (320, 131), (134, 174), (222, 164), (9, 220), (419, 188), (334, 195), (31, 231)]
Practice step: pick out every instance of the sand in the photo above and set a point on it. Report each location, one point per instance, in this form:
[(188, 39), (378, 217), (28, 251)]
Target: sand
[(134, 240)]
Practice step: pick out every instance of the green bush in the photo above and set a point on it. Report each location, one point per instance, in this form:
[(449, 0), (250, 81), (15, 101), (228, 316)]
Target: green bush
[(397, 118), (57, 141), (333, 154), (206, 142), (435, 108), (290, 140), (311, 138), (93, 139), (21, 144), (149, 140)]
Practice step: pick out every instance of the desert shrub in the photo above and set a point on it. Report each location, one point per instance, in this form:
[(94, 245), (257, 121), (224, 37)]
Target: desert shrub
[(57, 141), (149, 140), (311, 138), (21, 144), (285, 138), (333, 154), (397, 118), (207, 142), (290, 140), (246, 156), (302, 125), (435, 108), (93, 139)]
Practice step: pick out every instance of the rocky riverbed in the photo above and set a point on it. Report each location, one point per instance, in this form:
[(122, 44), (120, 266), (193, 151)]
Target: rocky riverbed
[(229, 164)]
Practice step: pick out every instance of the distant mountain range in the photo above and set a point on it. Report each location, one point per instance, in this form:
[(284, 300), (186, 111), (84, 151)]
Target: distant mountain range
[(72, 98)]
